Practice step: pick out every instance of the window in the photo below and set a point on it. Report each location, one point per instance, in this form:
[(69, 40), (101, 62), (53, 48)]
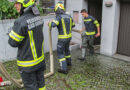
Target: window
[(48, 6), (76, 16)]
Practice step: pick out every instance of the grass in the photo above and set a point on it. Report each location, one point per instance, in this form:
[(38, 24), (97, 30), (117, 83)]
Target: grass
[(95, 73)]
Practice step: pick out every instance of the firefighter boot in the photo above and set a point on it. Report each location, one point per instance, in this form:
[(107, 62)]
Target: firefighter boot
[(63, 68), (68, 61), (83, 54)]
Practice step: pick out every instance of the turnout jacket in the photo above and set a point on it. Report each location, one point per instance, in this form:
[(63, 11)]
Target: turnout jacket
[(91, 25), (27, 35), (64, 23)]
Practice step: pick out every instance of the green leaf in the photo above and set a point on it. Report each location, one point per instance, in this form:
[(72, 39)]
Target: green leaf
[(7, 9)]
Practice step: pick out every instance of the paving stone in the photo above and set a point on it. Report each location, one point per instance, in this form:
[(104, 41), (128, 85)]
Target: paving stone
[(97, 72)]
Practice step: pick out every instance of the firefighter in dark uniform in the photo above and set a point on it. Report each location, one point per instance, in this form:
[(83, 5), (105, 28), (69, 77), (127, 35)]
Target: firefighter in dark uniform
[(64, 23), (27, 35), (91, 25)]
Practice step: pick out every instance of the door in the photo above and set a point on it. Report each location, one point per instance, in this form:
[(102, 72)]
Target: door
[(95, 9), (124, 30)]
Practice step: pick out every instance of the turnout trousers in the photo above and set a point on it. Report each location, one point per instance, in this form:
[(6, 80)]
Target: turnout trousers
[(33, 80), (87, 42), (63, 52)]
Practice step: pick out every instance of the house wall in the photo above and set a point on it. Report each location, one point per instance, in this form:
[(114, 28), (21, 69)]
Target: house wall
[(110, 27), (76, 5), (62, 1), (110, 24), (9, 53)]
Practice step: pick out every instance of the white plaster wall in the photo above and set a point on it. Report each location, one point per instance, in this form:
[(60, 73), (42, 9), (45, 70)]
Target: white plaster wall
[(76, 5), (46, 35), (116, 28), (110, 24), (8, 53), (85, 4)]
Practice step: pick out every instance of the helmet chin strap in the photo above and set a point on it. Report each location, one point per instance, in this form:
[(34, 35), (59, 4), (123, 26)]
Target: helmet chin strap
[(35, 10), (59, 11), (22, 10)]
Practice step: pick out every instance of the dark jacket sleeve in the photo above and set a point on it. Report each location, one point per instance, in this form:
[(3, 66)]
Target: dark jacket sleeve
[(55, 22), (95, 22), (16, 35)]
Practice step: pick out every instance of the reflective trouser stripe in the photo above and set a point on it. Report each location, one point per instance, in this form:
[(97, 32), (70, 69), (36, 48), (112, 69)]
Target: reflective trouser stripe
[(90, 33), (15, 36), (31, 62), (68, 56), (33, 48), (44, 88), (63, 59)]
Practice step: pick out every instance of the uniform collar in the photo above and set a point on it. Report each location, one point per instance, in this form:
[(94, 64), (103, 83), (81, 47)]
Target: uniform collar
[(28, 9), (87, 17)]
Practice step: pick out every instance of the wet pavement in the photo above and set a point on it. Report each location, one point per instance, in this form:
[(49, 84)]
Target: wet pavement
[(97, 72)]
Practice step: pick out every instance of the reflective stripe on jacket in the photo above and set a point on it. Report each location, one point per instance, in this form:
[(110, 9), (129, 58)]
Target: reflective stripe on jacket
[(27, 35), (91, 25), (64, 24)]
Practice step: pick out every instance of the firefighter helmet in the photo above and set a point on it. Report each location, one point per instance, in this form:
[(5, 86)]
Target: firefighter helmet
[(59, 6), (25, 3)]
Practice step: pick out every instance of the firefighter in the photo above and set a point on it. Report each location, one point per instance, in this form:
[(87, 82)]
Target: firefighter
[(27, 35), (64, 23), (89, 33)]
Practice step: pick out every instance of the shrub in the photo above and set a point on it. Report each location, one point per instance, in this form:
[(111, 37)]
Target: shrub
[(7, 10), (40, 9)]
